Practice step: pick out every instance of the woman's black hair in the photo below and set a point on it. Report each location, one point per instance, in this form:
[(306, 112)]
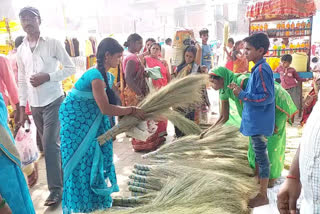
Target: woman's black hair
[(215, 77), (155, 43), (190, 48), (151, 40), (111, 46), (236, 45), (132, 38)]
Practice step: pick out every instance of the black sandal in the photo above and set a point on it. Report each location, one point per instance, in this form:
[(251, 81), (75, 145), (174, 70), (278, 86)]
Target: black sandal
[(53, 199)]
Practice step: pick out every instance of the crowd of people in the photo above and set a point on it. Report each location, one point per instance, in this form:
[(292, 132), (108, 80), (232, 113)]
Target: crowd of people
[(81, 173)]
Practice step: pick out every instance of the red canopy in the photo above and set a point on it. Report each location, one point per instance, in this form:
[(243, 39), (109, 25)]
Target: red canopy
[(281, 8)]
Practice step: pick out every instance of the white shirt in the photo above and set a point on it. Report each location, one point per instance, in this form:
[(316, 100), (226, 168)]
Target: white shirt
[(167, 50), (309, 163), (45, 58)]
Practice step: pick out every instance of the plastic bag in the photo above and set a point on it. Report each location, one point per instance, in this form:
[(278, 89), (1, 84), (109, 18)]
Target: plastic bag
[(143, 130), (26, 144), (154, 73)]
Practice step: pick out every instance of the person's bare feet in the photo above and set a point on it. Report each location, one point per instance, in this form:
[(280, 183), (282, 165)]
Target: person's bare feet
[(272, 183), (33, 177), (258, 201)]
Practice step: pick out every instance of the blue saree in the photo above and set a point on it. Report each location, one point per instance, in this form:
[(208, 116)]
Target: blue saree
[(13, 187), (89, 172)]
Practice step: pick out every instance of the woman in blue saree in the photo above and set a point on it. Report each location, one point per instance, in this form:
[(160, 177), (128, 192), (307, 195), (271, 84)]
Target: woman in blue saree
[(86, 113), (14, 193)]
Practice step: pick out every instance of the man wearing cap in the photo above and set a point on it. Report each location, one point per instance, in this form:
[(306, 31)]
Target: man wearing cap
[(39, 81)]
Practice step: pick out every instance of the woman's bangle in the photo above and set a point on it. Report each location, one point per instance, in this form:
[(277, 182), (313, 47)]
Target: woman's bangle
[(3, 203), (292, 177)]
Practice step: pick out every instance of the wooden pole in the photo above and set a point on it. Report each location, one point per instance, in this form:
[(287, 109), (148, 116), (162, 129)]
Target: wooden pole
[(6, 20)]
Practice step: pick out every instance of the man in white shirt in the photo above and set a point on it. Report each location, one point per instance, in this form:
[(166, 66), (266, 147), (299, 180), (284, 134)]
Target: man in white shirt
[(304, 174), (39, 81)]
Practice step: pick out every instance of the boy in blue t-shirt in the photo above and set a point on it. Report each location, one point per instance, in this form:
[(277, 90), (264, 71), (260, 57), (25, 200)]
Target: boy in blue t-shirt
[(206, 55), (258, 115)]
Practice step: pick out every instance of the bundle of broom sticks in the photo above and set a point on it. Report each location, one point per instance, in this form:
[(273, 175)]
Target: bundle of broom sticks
[(179, 93)]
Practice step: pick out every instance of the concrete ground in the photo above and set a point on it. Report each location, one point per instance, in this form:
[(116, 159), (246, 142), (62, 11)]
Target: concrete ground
[(125, 158)]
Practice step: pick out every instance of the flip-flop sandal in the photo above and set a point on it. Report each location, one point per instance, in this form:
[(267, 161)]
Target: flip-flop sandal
[(33, 178), (53, 199)]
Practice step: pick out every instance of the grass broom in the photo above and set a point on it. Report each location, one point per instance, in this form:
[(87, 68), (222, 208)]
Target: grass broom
[(178, 93)]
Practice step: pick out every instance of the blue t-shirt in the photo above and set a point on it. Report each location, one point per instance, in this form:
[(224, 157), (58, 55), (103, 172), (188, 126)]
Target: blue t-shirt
[(206, 56), (258, 115)]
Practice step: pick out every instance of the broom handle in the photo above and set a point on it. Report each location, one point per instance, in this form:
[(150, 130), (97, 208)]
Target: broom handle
[(137, 184), (142, 167), (143, 185), (109, 134), (138, 189), (138, 178), (125, 202), (141, 172), (137, 194)]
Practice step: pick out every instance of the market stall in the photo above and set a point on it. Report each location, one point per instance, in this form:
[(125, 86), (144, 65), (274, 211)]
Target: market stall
[(7, 27), (291, 22)]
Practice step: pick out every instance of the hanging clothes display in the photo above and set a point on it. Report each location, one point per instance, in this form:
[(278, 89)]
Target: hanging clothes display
[(90, 51), (73, 48), (94, 44), (88, 48), (76, 47), (69, 47), (91, 61)]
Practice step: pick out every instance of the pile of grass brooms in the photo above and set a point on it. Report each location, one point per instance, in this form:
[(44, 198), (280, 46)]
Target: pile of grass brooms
[(193, 175), (206, 173)]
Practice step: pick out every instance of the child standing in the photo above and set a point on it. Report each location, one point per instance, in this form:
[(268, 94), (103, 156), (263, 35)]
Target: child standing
[(240, 62), (289, 78), (258, 115), (206, 57), (229, 63)]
